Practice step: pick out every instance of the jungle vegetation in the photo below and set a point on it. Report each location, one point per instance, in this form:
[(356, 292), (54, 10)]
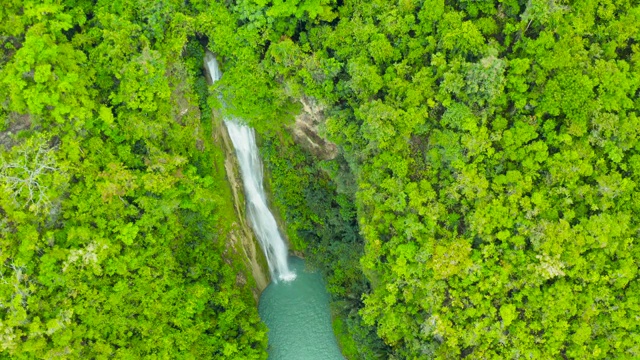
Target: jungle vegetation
[(483, 204)]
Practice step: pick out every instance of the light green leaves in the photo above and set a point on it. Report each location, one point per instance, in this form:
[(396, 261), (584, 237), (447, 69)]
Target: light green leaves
[(451, 259), (106, 115), (508, 314), (42, 73), (128, 233)]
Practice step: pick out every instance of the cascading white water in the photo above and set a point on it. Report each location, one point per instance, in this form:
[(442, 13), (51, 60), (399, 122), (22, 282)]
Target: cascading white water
[(261, 219)]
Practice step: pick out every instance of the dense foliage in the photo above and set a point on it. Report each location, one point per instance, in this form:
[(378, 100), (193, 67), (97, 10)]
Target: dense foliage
[(489, 152), (495, 147), (114, 209)]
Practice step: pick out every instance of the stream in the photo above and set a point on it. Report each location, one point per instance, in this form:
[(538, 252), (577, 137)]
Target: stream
[(295, 306)]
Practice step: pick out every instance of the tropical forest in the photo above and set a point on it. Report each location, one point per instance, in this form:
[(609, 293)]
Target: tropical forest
[(320, 179)]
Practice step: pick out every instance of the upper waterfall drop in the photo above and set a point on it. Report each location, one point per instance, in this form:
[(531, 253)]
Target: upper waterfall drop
[(262, 221)]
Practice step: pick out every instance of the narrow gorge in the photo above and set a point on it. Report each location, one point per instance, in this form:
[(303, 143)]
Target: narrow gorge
[(295, 306)]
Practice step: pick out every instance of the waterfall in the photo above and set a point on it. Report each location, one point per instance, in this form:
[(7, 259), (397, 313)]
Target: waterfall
[(261, 219)]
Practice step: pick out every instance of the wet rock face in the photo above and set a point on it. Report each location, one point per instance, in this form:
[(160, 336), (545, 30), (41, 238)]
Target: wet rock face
[(242, 239), (305, 131)]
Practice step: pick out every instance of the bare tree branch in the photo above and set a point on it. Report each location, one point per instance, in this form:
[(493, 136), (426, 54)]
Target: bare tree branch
[(23, 175)]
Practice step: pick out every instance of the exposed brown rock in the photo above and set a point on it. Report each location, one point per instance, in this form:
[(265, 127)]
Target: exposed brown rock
[(306, 133)]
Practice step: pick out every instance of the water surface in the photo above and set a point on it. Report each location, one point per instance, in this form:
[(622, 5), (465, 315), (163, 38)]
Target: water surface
[(298, 317)]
